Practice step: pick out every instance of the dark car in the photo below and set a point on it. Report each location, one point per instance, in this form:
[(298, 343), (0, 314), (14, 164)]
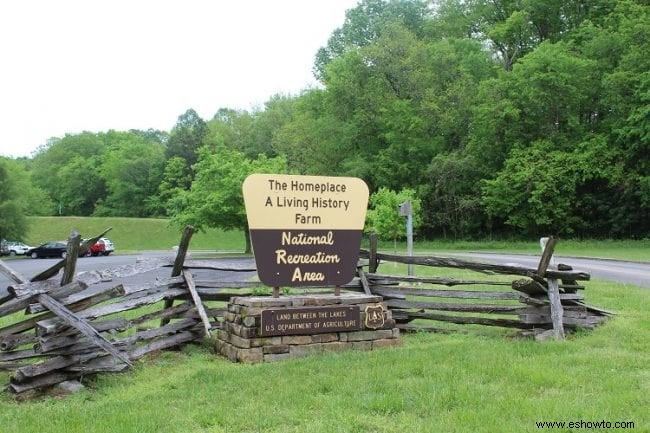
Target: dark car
[(48, 249)]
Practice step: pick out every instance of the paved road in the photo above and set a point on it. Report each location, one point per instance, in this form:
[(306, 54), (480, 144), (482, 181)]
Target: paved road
[(30, 267), (634, 273), (625, 272)]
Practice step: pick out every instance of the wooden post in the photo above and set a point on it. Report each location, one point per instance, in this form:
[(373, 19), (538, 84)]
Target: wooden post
[(372, 259), (548, 246), (178, 263), (71, 254), (557, 312), (276, 292), (364, 282), (197, 301)]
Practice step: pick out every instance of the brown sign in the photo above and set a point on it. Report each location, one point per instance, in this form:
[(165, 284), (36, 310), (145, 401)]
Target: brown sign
[(305, 230), (374, 317), (310, 320)]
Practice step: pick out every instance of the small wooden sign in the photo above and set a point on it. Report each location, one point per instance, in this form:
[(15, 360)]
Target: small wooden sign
[(310, 320), (305, 230)]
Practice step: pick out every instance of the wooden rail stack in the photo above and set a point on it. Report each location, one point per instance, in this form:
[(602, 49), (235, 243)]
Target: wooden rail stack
[(538, 301), (70, 329)]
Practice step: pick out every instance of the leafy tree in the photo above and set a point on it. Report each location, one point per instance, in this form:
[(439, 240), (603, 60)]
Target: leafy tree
[(365, 23), (250, 133), (132, 171), (314, 140), (383, 217), (546, 96), (80, 185), (185, 139), (33, 200), (67, 169), (172, 183), (215, 198), (451, 198), (550, 85), (544, 190), (13, 224)]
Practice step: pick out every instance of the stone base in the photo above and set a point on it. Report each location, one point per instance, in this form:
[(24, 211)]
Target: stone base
[(240, 337)]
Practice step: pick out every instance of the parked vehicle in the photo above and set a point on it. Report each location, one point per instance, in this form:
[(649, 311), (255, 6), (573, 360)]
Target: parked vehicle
[(13, 248), (48, 249), (102, 247), (16, 248)]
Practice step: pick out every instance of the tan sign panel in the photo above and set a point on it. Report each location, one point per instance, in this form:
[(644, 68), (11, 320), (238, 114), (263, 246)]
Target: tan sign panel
[(305, 230)]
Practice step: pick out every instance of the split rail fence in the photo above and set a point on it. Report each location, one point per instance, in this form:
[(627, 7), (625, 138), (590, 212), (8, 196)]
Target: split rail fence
[(70, 328), (543, 301)]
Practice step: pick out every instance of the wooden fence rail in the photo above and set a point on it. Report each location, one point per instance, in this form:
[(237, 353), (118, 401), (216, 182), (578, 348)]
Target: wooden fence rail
[(542, 303)]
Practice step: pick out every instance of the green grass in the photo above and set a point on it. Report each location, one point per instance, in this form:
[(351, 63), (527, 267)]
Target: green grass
[(433, 383), (131, 234), (141, 234), (634, 250)]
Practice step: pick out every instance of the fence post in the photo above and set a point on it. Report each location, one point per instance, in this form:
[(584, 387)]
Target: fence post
[(372, 257), (557, 312), (178, 263)]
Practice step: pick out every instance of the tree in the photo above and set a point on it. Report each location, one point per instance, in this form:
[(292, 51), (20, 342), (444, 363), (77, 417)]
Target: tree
[(185, 139), (13, 224), (33, 200), (451, 196), (68, 170), (172, 183), (544, 190), (215, 198), (132, 169), (365, 23), (313, 140), (384, 219)]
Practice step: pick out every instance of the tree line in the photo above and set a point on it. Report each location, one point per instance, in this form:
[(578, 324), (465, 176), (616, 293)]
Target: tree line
[(499, 117)]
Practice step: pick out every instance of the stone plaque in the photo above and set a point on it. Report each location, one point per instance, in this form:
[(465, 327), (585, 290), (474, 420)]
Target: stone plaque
[(310, 320)]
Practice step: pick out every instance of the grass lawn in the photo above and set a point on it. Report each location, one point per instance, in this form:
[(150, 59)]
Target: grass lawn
[(433, 383), (131, 234), (141, 234)]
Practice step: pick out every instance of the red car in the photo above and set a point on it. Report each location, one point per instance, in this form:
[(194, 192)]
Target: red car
[(102, 247)]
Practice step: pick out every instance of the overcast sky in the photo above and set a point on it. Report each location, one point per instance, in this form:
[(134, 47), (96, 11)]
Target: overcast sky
[(68, 66)]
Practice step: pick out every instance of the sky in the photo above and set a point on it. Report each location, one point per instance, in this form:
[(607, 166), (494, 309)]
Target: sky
[(69, 66)]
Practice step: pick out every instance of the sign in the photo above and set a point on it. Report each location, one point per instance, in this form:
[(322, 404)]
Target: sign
[(305, 230), (310, 320), (374, 317)]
